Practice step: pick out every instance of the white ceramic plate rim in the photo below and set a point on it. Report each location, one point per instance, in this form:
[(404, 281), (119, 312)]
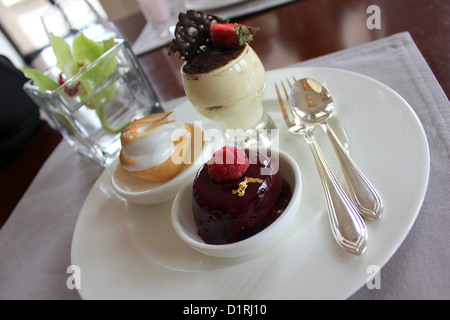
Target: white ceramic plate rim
[(307, 264)]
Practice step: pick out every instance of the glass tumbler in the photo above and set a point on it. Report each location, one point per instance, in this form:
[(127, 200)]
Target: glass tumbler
[(159, 14), (94, 106), (69, 17)]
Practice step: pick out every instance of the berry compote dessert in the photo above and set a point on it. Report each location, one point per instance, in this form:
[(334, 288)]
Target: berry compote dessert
[(233, 200)]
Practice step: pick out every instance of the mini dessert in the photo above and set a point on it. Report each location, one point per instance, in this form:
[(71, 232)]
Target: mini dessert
[(223, 77), (233, 200), (154, 147)]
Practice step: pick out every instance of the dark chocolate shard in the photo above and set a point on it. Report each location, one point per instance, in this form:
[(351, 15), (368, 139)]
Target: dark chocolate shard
[(192, 34)]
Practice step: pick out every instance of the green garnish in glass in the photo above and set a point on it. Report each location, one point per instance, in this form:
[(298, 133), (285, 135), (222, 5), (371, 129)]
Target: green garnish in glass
[(73, 61)]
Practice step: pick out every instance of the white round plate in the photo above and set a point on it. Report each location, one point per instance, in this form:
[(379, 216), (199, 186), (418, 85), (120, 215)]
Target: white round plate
[(129, 251)]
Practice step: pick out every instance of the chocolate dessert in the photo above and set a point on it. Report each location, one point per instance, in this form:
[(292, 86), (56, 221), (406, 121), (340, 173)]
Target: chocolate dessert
[(234, 209), (211, 60), (206, 47), (192, 34), (223, 77)]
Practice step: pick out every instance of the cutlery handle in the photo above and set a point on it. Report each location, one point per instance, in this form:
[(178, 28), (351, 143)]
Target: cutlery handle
[(363, 194), (347, 225)]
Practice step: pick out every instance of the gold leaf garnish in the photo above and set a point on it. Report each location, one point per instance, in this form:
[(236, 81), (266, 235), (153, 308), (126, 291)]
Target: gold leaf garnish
[(243, 185)]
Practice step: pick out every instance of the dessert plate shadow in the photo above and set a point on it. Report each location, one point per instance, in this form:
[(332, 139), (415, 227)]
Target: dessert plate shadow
[(131, 251)]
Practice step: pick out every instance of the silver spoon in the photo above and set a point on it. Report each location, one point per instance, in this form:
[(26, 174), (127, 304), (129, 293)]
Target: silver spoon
[(312, 102), (346, 223)]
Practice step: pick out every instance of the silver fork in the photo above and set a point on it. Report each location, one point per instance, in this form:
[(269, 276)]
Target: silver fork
[(347, 225)]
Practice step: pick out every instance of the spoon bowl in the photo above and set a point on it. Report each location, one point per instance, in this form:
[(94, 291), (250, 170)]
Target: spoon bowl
[(311, 101)]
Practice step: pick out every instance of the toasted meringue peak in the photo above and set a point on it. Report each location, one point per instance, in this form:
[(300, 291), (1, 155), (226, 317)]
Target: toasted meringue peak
[(149, 142)]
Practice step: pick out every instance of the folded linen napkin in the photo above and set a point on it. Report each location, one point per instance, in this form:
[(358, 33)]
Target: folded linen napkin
[(35, 242)]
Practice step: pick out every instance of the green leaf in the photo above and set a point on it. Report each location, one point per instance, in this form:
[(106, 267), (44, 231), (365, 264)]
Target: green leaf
[(109, 64), (97, 76), (101, 112), (64, 59), (40, 80), (244, 33), (85, 49), (70, 62), (108, 44)]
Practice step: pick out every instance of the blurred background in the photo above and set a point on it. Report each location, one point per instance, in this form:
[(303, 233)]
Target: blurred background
[(24, 24)]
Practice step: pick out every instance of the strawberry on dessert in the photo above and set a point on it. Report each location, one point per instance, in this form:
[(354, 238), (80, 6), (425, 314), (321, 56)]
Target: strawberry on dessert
[(233, 200), (231, 35)]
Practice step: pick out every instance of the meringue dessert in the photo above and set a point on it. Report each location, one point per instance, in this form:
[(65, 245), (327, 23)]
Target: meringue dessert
[(233, 200), (222, 75), (155, 147)]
